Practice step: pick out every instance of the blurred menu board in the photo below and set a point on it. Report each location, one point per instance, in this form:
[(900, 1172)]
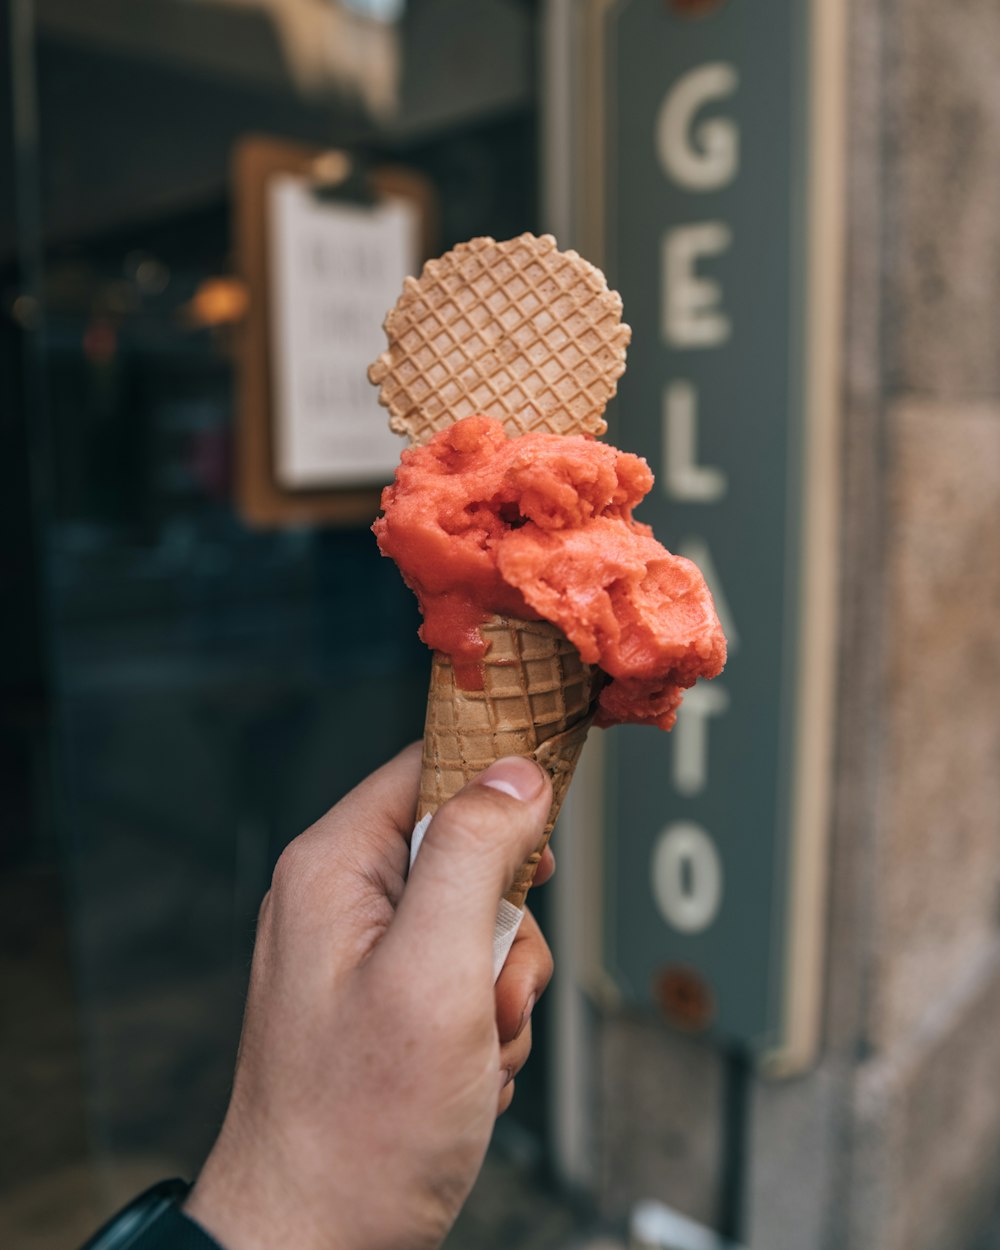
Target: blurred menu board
[(324, 245), (335, 270)]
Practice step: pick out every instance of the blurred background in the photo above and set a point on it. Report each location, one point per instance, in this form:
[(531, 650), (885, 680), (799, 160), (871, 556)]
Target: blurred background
[(200, 655)]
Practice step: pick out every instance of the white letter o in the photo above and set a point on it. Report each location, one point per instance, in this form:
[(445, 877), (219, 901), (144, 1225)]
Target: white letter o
[(686, 876)]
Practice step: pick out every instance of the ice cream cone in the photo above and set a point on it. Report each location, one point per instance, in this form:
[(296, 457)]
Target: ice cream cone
[(538, 700), (533, 336)]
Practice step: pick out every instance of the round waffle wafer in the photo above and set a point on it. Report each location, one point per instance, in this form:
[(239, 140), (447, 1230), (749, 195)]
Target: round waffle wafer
[(516, 330)]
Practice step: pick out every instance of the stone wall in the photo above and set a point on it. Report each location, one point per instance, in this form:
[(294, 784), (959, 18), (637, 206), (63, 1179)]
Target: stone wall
[(893, 1141)]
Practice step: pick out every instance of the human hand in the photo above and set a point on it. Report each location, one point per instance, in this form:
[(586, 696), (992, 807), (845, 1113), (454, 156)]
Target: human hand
[(376, 1051)]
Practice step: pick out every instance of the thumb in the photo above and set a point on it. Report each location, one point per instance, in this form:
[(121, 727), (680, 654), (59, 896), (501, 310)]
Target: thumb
[(473, 846)]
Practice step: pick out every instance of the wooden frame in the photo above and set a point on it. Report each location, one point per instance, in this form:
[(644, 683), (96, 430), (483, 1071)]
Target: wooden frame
[(260, 500)]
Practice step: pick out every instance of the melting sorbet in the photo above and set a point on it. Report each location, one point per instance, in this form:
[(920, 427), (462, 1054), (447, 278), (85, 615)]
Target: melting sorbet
[(540, 527)]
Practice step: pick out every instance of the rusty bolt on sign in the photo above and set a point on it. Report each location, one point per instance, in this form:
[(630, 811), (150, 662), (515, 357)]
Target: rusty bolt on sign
[(694, 8), (685, 998)]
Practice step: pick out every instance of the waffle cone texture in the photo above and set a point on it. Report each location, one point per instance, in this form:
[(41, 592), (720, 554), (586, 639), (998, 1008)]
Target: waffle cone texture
[(537, 700), (515, 330)]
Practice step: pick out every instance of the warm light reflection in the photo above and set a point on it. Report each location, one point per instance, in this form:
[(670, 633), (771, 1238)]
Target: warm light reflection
[(217, 302)]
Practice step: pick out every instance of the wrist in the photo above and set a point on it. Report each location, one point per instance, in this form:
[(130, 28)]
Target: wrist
[(250, 1206), (246, 1202), (154, 1221)]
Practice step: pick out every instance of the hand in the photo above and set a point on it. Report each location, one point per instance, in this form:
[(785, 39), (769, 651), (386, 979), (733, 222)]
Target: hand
[(376, 1051)]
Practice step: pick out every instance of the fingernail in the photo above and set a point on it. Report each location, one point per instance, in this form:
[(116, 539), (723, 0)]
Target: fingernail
[(506, 1076), (520, 778), (525, 1015)]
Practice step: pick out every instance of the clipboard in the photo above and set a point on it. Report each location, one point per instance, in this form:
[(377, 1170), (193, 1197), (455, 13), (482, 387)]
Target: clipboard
[(264, 497)]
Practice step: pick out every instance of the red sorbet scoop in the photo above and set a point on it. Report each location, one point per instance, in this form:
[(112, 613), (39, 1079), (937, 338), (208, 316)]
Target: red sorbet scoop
[(540, 526)]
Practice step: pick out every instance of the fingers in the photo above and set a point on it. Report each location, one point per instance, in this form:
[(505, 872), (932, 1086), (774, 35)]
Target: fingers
[(388, 798), (371, 825), (546, 867), (341, 877), (513, 1057), (523, 979), (468, 859), (505, 1099)]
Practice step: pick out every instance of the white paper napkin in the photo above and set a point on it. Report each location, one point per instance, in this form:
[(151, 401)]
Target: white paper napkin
[(508, 918)]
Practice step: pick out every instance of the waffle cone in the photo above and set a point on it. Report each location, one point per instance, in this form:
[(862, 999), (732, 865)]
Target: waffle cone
[(537, 700)]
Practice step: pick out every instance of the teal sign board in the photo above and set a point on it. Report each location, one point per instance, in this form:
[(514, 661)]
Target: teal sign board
[(708, 144)]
